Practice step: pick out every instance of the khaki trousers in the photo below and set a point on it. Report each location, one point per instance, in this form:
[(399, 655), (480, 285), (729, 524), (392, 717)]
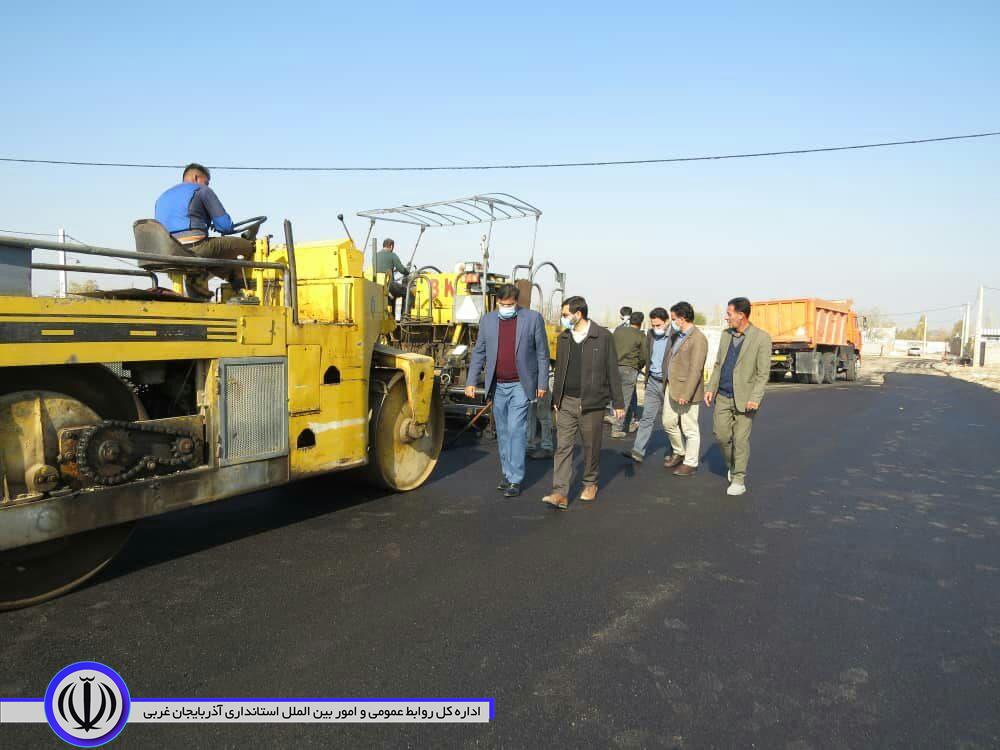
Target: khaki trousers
[(228, 248), (681, 425), (732, 430), (571, 422)]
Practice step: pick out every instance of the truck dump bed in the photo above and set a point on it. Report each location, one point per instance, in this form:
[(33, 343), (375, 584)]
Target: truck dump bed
[(808, 322)]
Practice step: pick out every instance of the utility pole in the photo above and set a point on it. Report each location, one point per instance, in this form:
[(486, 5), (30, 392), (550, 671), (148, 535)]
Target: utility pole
[(965, 331), (62, 262), (979, 325)]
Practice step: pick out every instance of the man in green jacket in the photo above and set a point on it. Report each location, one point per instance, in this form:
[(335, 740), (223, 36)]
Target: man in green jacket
[(387, 262), (630, 343), (742, 368)]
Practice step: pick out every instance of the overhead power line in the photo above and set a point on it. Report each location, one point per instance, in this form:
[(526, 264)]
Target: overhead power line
[(538, 165), (30, 234)]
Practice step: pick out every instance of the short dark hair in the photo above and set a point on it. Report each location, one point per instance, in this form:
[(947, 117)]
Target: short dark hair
[(625, 311), (508, 291), (196, 167), (683, 310), (740, 304), (659, 313), (635, 318), (576, 304), (388, 242)]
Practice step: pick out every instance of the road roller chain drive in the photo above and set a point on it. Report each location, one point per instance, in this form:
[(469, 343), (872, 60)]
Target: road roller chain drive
[(100, 461)]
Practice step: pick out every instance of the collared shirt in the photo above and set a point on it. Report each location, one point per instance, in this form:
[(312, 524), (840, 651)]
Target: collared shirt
[(188, 209), (729, 365), (579, 336), (678, 340), (656, 356)]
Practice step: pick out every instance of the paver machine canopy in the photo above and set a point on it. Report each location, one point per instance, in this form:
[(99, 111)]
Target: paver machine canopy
[(442, 308)]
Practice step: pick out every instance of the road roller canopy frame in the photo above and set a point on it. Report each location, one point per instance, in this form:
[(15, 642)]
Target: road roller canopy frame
[(485, 208), (476, 209)]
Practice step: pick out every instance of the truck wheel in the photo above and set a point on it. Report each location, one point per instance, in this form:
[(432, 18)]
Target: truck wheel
[(828, 367), (853, 367)]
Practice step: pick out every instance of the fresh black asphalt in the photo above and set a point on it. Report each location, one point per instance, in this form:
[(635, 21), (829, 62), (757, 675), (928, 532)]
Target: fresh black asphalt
[(850, 600)]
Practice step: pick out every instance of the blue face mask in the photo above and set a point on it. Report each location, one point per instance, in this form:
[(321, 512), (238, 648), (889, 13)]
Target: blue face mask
[(507, 312)]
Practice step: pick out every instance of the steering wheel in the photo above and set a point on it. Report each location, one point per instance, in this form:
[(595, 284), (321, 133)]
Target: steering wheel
[(243, 226)]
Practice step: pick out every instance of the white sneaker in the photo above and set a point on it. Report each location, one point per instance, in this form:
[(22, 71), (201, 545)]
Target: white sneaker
[(736, 488)]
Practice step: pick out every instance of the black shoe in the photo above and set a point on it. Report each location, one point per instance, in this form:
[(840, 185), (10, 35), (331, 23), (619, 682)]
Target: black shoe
[(196, 287), (503, 485), (513, 490), (633, 455), (540, 454)]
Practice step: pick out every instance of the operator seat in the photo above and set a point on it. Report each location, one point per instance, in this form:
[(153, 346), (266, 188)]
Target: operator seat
[(152, 237)]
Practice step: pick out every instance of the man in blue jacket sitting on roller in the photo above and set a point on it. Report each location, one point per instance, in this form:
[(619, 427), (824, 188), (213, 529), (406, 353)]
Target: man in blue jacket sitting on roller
[(188, 210)]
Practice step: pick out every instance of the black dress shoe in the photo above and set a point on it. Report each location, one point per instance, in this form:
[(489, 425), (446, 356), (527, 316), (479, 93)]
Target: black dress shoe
[(503, 485), (513, 490)]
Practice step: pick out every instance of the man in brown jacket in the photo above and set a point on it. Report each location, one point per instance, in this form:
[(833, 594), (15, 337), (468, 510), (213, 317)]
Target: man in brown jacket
[(684, 378), (586, 381)]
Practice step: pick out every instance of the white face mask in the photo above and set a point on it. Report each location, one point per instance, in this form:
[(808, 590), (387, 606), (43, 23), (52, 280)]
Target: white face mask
[(567, 322), (675, 325), (658, 332)]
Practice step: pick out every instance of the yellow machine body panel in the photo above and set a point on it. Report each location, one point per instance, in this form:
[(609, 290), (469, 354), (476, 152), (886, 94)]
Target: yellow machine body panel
[(434, 296), (57, 331), (552, 332), (330, 357)]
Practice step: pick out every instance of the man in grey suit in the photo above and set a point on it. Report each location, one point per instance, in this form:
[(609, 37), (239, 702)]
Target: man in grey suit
[(514, 351), (742, 368)]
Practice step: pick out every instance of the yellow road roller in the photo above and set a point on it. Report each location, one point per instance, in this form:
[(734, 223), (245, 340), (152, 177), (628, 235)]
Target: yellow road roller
[(117, 405)]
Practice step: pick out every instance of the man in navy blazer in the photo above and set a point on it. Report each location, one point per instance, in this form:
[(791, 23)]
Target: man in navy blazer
[(514, 350)]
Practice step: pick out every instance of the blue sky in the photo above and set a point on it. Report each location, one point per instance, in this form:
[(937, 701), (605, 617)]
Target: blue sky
[(405, 84)]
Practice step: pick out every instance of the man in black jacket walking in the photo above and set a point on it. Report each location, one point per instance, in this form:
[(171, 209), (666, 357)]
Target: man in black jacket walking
[(586, 380)]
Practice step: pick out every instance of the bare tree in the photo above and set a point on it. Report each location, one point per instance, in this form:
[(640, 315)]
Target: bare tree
[(873, 317), (82, 287)]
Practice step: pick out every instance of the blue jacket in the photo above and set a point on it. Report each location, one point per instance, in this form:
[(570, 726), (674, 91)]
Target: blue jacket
[(187, 211), (531, 351)]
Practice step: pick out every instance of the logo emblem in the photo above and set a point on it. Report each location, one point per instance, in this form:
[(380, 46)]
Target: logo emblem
[(87, 704)]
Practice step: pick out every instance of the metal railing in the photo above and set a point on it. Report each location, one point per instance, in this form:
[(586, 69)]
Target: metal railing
[(174, 261)]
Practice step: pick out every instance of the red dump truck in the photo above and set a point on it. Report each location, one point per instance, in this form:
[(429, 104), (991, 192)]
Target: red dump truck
[(813, 339)]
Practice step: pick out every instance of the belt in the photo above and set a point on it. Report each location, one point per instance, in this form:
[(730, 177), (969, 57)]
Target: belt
[(191, 240)]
